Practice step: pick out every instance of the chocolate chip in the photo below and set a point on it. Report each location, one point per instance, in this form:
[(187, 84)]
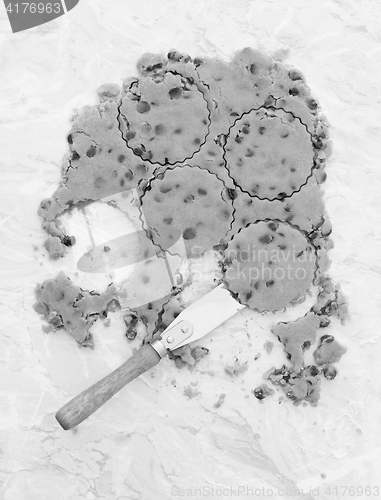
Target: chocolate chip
[(327, 339), (295, 75), (159, 129), (267, 238), (189, 233), (324, 322), (70, 139), (306, 345), (175, 93), (130, 135), (270, 101), (91, 152), (312, 370), (273, 225), (259, 394), (142, 107), (68, 241), (174, 55), (312, 104), (329, 372)]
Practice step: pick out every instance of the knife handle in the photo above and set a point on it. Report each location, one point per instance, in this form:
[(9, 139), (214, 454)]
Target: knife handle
[(85, 404)]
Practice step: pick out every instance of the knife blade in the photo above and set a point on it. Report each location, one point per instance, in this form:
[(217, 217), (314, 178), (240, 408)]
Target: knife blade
[(205, 315)]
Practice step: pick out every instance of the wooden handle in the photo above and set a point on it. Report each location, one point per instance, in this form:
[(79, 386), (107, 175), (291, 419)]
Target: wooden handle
[(85, 404)]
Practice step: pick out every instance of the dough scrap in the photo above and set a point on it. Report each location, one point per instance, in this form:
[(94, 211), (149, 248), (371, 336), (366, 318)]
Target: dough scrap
[(297, 336), (329, 350), (269, 153), (304, 209), (331, 300), (298, 386), (65, 305), (54, 246), (99, 163), (269, 265)]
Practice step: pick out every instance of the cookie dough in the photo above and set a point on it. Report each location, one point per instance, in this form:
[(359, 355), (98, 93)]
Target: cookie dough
[(188, 202), (269, 153), (298, 386), (98, 164), (226, 155), (297, 336), (152, 114), (331, 300), (329, 350), (65, 305), (269, 265), (304, 209)]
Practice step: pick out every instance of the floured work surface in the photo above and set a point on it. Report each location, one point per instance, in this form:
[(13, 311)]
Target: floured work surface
[(227, 162)]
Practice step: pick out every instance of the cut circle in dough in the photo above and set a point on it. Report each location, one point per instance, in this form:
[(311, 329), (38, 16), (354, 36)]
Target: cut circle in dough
[(188, 202), (269, 153), (269, 266), (165, 122)]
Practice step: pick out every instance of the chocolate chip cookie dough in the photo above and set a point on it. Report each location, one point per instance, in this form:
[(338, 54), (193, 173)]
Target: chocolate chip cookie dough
[(269, 153), (269, 265), (65, 305), (227, 156), (152, 114), (190, 203)]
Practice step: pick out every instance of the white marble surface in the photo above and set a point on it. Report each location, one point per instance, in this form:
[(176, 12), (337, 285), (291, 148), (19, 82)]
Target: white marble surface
[(151, 441)]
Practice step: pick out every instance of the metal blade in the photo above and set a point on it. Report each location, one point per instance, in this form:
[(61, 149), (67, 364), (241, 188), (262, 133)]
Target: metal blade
[(207, 313)]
